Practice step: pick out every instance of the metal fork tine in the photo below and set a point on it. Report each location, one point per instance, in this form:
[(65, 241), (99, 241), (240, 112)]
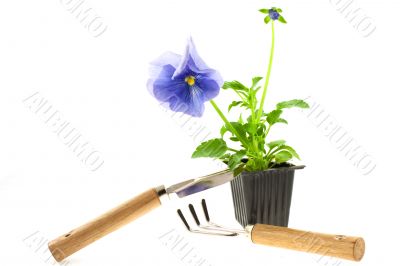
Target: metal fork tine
[(206, 214), (204, 205), (194, 214), (183, 219), (214, 226), (211, 229)]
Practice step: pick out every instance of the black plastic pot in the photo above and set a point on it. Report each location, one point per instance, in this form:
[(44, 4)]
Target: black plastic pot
[(264, 196)]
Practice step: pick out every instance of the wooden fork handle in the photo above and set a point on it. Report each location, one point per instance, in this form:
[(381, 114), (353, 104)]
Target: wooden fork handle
[(340, 246), (69, 243)]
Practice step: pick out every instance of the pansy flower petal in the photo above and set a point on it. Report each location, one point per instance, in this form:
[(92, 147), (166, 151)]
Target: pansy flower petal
[(191, 61), (210, 88), (185, 82)]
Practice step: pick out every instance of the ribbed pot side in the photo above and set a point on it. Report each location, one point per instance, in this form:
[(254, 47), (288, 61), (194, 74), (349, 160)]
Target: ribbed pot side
[(264, 196)]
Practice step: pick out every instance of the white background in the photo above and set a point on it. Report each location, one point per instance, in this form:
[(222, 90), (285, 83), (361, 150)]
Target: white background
[(98, 85)]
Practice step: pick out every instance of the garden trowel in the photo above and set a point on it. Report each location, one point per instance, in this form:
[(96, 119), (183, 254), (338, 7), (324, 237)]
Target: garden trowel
[(69, 243)]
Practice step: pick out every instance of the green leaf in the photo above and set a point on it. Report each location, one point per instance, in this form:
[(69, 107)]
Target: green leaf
[(291, 150), (273, 116), (236, 159), (255, 81), (281, 120), (276, 143), (283, 156), (249, 118), (233, 104), (261, 129), (235, 85), (239, 169), (213, 148), (250, 165), (225, 157), (240, 129), (292, 103), (267, 19), (251, 128), (281, 19), (287, 148), (222, 131), (257, 89), (264, 11), (240, 120), (279, 10)]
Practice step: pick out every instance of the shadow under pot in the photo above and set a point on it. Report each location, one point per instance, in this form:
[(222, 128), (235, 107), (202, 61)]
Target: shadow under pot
[(264, 197)]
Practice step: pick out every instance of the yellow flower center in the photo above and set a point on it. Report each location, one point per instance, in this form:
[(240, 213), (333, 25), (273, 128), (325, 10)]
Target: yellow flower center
[(190, 80)]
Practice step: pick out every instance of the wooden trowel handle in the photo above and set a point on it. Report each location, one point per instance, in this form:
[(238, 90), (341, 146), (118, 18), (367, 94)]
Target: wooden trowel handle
[(86, 234), (345, 247)]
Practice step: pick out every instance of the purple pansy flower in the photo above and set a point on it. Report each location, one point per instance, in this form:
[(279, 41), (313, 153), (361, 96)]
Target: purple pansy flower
[(273, 14), (185, 82)]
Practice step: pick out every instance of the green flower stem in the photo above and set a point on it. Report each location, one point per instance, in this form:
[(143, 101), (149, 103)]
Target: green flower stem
[(267, 131), (253, 118), (228, 124), (271, 56)]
